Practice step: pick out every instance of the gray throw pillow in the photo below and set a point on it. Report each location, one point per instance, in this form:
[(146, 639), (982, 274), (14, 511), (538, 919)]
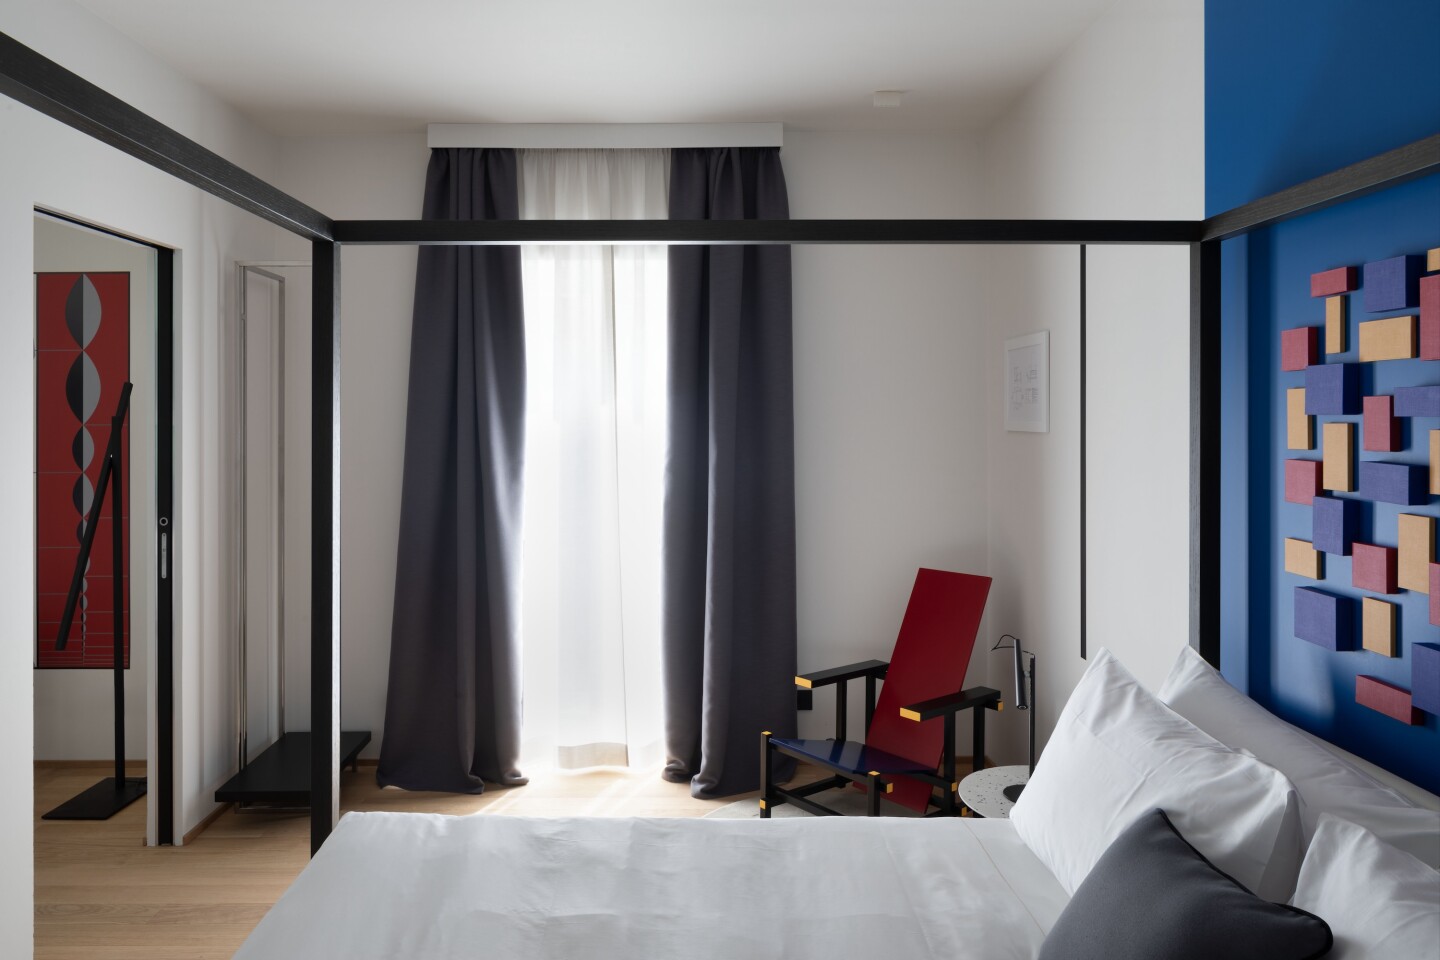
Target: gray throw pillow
[(1152, 895)]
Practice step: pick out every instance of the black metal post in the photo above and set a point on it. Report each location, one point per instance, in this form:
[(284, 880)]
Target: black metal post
[(1084, 548), (324, 542), (765, 775), (1032, 714), (947, 802), (977, 761), (842, 707), (117, 582), (1205, 449), (165, 542)]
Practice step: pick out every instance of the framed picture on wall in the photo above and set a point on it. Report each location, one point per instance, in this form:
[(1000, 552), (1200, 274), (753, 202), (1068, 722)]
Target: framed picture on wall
[(1027, 383), (82, 360)]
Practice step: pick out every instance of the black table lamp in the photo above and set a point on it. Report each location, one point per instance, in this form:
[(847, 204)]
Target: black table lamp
[(1024, 700)]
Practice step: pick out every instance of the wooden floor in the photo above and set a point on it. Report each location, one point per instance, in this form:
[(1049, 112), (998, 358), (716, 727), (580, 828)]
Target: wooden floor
[(101, 893)]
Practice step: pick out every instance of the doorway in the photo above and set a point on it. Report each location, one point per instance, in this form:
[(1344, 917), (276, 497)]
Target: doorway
[(104, 316), (266, 417)]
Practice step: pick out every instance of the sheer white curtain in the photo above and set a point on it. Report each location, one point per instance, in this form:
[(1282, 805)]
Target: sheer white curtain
[(595, 429)]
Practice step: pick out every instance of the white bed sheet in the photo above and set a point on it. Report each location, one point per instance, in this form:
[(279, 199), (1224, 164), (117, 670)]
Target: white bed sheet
[(426, 886)]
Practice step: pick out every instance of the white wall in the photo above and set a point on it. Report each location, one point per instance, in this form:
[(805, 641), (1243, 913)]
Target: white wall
[(1113, 130), (45, 163), (74, 715), (890, 393), (890, 477)]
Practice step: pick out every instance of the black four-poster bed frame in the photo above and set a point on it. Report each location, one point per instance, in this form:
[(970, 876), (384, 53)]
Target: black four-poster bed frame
[(46, 86)]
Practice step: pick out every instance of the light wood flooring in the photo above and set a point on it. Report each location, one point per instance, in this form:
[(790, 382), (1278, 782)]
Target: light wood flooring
[(101, 893)]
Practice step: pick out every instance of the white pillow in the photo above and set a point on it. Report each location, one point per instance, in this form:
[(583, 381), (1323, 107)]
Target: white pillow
[(1117, 753), (1381, 903), (1325, 782)]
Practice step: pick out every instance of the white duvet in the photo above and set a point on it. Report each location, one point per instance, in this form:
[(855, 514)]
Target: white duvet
[(426, 886)]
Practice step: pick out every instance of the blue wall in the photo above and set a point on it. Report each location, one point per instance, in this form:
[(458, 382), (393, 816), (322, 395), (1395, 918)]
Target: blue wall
[(1293, 90)]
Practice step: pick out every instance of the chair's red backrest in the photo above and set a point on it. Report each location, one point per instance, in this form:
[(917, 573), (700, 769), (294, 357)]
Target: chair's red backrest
[(931, 656)]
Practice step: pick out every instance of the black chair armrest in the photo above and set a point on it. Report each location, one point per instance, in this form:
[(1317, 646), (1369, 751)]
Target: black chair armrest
[(819, 678), (952, 703)]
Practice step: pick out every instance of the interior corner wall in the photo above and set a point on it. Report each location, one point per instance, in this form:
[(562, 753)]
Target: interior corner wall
[(889, 449), (45, 163), (1114, 129), (1292, 91)]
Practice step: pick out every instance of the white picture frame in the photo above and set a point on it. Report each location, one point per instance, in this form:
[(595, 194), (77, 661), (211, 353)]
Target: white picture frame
[(1027, 383)]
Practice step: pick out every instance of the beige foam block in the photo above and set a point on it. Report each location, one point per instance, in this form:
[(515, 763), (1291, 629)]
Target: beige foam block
[(1432, 260), (1335, 324), (1299, 426), (1417, 549), (1302, 559), (1377, 626), (1435, 462), (1337, 471), (1390, 339)]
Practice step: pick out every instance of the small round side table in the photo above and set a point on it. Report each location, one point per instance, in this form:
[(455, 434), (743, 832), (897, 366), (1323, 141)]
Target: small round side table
[(983, 790)]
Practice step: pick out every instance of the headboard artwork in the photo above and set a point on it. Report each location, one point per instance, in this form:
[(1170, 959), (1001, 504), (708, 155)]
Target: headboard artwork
[(1373, 506)]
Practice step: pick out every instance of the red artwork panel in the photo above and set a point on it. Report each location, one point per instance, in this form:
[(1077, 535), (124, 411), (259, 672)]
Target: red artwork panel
[(82, 338)]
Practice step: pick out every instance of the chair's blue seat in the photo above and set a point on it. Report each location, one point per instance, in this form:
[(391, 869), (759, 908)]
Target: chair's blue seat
[(851, 756)]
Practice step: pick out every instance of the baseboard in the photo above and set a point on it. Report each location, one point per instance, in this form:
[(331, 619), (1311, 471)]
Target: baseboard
[(199, 828)]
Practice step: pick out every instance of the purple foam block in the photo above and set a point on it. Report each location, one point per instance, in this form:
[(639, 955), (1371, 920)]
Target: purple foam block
[(1334, 388), (1393, 482), (1324, 619), (1392, 284), (1409, 401), (1425, 677), (1336, 524)]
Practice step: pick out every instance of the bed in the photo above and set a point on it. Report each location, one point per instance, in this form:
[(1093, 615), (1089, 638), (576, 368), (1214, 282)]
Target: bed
[(1312, 836), (415, 885)]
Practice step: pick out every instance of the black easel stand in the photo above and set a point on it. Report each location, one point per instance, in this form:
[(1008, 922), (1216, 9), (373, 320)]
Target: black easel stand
[(113, 794)]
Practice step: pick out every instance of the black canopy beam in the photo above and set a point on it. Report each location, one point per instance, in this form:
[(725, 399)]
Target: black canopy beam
[(39, 82), (1388, 169), (760, 232)]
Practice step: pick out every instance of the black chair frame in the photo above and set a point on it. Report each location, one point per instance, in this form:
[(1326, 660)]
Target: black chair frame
[(946, 709)]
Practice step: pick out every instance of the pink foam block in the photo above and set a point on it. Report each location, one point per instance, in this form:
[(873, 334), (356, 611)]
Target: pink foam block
[(1299, 347), (1430, 317), (1380, 428), (1331, 282), (1435, 593), (1383, 698), (1372, 567), (1302, 481)]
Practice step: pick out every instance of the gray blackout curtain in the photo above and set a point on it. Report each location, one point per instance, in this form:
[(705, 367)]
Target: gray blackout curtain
[(452, 715), (729, 512)]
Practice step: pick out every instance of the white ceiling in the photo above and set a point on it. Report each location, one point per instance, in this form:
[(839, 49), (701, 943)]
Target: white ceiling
[(349, 66)]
